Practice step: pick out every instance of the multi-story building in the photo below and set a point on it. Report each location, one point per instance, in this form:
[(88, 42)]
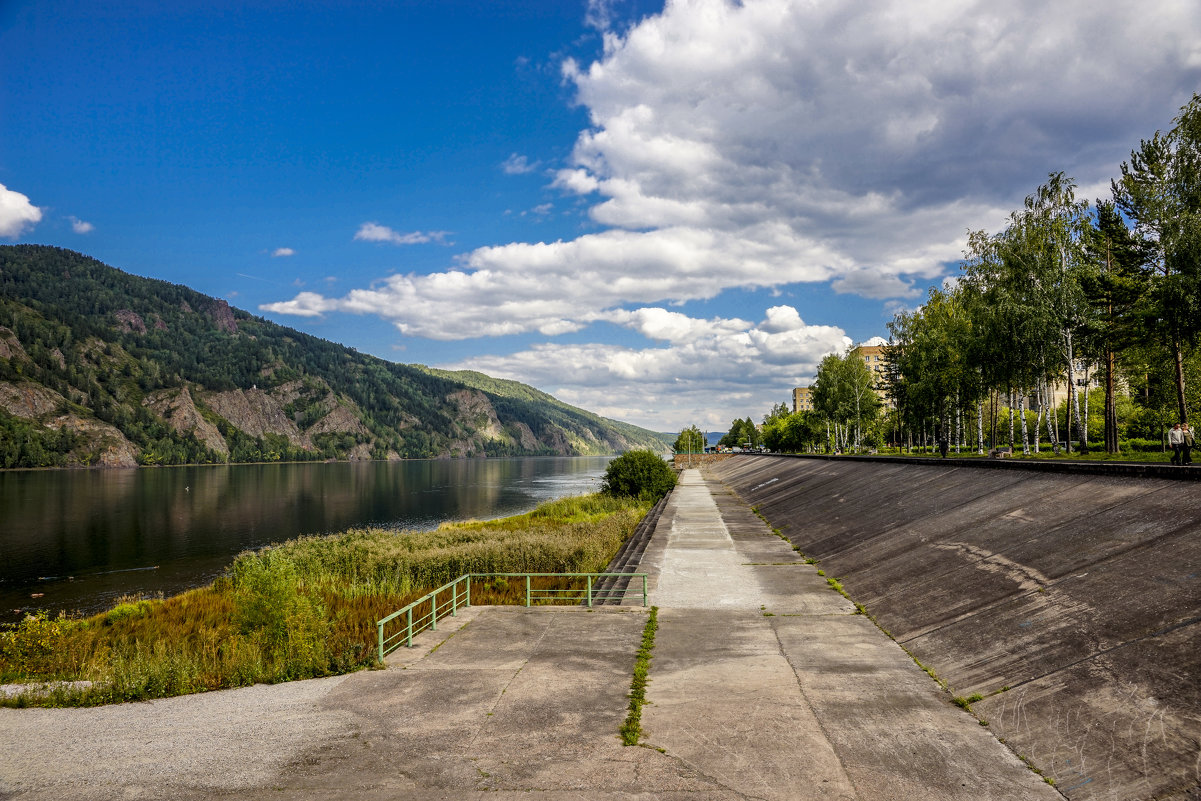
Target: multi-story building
[(872, 353), (802, 399)]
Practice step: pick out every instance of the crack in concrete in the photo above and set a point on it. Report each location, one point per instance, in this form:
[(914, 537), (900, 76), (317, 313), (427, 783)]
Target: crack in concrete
[(812, 710), (500, 695)]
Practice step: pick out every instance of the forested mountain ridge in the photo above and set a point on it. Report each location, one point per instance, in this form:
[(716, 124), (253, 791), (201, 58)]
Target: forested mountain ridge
[(100, 367), (512, 394)]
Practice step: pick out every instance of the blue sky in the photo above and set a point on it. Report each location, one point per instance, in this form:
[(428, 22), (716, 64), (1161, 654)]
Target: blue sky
[(665, 214)]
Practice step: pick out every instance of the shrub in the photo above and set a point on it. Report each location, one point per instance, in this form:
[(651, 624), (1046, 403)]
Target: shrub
[(639, 474)]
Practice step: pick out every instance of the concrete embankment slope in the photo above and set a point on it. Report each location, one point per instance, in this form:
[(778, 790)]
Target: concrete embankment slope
[(1069, 601)]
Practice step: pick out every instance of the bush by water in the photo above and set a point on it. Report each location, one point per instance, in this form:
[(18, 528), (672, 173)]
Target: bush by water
[(639, 474)]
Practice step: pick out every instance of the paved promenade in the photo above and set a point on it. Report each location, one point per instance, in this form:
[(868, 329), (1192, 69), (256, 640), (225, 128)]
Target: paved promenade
[(766, 681), (764, 685)]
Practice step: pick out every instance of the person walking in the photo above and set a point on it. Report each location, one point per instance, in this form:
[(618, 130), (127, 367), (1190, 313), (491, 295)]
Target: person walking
[(1186, 448), (1176, 440)]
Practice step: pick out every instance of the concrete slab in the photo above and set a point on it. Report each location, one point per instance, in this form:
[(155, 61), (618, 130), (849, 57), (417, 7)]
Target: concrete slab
[(758, 662), (1079, 592)]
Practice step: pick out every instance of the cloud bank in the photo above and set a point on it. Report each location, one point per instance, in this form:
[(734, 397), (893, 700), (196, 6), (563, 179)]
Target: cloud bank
[(770, 144), (702, 371)]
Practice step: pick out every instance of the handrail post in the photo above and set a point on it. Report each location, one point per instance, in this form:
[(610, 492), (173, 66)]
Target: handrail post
[(380, 629), (454, 599), (434, 610), (467, 602), (644, 589), (527, 589), (589, 590), (410, 617)]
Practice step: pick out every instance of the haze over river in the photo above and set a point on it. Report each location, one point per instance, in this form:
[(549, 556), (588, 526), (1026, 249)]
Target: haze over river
[(83, 538)]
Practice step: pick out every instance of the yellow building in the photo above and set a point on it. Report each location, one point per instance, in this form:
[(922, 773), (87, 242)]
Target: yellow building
[(873, 357), (802, 399), (872, 353)]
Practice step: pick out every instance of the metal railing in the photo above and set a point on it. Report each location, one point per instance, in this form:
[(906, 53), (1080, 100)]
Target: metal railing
[(400, 627)]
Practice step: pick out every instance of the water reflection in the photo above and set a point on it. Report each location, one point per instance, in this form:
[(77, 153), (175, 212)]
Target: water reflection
[(83, 538)]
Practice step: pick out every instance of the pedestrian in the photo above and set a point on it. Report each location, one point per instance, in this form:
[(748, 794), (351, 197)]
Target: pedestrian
[(1186, 449), (1176, 440)]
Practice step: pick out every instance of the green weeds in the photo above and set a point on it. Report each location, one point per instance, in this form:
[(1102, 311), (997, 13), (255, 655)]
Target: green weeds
[(631, 729)]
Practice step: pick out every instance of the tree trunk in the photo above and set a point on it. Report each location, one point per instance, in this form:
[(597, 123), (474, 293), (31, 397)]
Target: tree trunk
[(1025, 430), (1087, 392), (980, 426), (1075, 396), (1038, 420), (1111, 410), (1180, 381), (1052, 427), (958, 424), (1011, 442), (993, 403)]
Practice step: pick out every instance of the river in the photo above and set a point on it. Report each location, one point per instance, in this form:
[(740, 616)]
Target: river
[(77, 540)]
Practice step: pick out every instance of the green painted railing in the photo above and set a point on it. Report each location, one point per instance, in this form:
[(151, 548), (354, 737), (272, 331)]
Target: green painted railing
[(400, 627)]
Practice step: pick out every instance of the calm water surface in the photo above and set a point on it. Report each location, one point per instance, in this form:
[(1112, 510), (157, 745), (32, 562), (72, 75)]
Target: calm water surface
[(83, 538)]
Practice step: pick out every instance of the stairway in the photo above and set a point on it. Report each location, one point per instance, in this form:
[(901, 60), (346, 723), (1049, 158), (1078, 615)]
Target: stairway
[(611, 590)]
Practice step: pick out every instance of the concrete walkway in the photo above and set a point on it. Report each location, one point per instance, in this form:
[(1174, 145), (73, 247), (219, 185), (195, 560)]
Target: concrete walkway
[(764, 685), (766, 681)]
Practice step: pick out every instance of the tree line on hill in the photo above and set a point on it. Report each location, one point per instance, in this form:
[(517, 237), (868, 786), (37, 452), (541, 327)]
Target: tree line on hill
[(86, 350)]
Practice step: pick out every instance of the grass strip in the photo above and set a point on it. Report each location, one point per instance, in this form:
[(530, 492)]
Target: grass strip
[(300, 609), (631, 729)]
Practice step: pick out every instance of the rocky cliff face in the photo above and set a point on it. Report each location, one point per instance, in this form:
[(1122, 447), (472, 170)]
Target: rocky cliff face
[(256, 412), (10, 346), (92, 442), (28, 400), (178, 410)]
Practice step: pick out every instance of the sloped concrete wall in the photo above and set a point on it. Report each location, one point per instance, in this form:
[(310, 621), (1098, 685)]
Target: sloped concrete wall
[(1069, 601)]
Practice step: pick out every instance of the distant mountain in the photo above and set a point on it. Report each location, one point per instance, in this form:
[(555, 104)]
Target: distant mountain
[(513, 396), (99, 367)]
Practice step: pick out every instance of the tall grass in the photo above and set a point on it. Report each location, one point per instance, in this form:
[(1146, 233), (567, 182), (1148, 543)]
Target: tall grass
[(300, 609)]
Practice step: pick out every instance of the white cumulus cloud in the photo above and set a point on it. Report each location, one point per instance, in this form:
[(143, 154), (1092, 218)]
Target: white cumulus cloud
[(708, 371), (374, 232), (81, 227), (280, 252), (16, 213), (769, 143)]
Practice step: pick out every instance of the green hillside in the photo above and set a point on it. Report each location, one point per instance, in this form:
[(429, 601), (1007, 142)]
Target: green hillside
[(99, 367), (515, 394)]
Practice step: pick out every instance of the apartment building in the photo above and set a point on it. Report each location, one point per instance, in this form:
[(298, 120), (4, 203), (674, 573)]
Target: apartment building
[(872, 353), (802, 399)]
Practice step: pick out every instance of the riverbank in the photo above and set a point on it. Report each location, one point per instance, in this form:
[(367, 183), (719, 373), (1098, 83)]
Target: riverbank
[(302, 609), (78, 541)]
